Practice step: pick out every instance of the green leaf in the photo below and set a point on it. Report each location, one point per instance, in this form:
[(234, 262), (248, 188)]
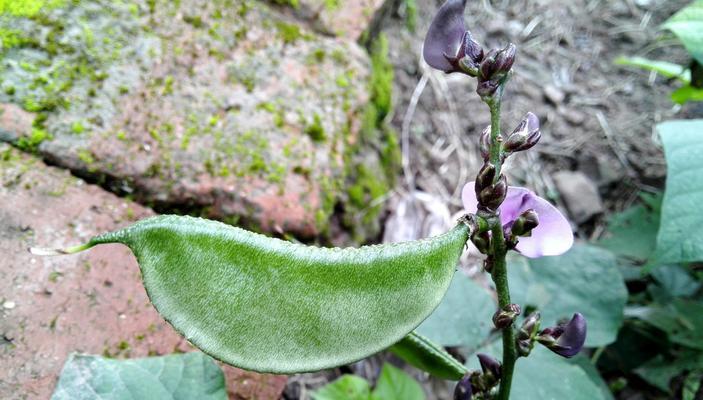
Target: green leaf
[(687, 24), (664, 68), (691, 385), (180, 376), (464, 316), (681, 230), (633, 232), (421, 353), (546, 376), (672, 281), (681, 320), (687, 93), (348, 387), (394, 384), (586, 279), (593, 373), (268, 305), (659, 371)]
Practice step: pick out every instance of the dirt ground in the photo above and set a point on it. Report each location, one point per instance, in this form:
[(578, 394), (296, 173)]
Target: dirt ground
[(597, 117)]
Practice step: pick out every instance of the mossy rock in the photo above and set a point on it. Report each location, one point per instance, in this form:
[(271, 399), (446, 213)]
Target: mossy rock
[(343, 18), (226, 108)]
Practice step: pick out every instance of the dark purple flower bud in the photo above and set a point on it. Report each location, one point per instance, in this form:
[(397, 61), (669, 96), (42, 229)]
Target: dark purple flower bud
[(505, 317), (493, 195), (485, 176), (490, 366), (504, 59), (472, 50), (525, 136), (470, 55), (488, 65), (524, 347), (530, 326), (444, 38), (526, 335), (525, 223), (487, 88), (482, 241), (565, 339), (488, 264), (463, 390), (484, 143)]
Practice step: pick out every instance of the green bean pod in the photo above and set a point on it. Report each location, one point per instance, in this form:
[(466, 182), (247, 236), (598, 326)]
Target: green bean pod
[(423, 354), (268, 305)]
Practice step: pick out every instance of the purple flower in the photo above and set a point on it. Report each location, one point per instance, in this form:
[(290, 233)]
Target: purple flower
[(444, 36), (565, 339), (553, 235), (490, 365), (463, 389), (449, 46), (525, 136)]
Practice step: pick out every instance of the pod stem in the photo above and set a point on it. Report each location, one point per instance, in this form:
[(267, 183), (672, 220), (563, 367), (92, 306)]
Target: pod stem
[(45, 251)]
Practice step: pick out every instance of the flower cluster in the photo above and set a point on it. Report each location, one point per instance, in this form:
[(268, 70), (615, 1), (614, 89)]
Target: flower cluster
[(502, 217), (450, 47)]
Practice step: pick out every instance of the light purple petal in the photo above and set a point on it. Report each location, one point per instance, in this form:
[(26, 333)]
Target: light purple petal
[(444, 35), (553, 235)]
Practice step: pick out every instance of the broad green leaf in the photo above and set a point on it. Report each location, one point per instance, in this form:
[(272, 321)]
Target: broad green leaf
[(687, 93), (593, 373), (348, 387), (394, 384), (680, 237), (681, 320), (633, 232), (273, 306), (546, 376), (687, 25), (672, 281), (421, 353), (464, 316), (664, 68), (180, 376), (586, 279), (637, 343), (659, 371)]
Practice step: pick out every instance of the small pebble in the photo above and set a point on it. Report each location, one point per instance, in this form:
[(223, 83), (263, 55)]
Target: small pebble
[(8, 305), (554, 94), (573, 116)]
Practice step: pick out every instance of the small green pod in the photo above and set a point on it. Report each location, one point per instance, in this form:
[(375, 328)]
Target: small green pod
[(269, 305), (423, 354)]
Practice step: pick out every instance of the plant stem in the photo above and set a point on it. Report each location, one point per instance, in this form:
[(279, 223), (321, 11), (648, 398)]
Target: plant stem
[(499, 274), (499, 271), (495, 149)]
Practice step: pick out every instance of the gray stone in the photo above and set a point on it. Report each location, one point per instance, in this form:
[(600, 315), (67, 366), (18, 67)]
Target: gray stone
[(580, 195), (572, 115), (343, 18), (555, 95)]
